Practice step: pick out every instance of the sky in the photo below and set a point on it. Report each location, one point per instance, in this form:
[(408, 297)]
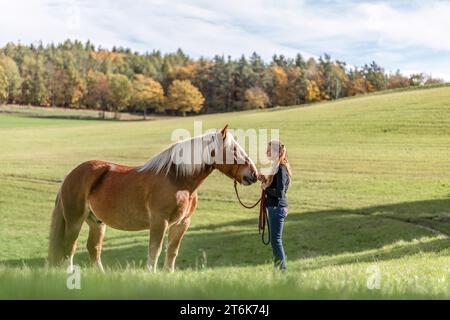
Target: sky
[(413, 36)]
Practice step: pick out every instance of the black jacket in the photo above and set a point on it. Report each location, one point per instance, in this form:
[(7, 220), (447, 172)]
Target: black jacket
[(276, 192)]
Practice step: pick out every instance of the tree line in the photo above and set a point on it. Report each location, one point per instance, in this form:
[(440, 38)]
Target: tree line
[(73, 74)]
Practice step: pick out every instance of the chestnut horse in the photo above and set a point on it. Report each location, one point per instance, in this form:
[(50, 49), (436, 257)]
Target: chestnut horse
[(161, 195)]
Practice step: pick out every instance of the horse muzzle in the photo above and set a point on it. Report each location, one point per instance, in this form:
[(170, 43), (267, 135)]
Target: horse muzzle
[(249, 179)]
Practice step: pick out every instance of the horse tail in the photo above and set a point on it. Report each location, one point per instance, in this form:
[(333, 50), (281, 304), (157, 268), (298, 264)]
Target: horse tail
[(56, 239), (71, 208)]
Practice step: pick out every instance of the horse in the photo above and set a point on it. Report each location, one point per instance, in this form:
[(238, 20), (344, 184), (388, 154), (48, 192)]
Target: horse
[(159, 196)]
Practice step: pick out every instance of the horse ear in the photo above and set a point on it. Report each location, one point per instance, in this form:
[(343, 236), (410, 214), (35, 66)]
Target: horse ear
[(224, 132)]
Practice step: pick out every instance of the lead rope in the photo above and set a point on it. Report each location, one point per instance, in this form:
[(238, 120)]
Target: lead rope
[(262, 213)]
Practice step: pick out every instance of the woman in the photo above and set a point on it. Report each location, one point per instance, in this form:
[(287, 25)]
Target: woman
[(276, 185)]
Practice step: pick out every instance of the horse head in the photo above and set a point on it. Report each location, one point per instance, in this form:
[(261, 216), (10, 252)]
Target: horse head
[(232, 160)]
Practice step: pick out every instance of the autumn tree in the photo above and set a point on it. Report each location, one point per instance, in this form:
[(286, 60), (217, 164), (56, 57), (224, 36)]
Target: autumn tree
[(358, 84), (338, 81), (256, 98), (57, 83), (14, 79), (276, 85), (98, 93), (313, 72), (183, 97), (65, 87), (121, 89), (147, 93), (397, 80), (34, 87), (3, 85), (312, 92), (183, 72), (76, 89)]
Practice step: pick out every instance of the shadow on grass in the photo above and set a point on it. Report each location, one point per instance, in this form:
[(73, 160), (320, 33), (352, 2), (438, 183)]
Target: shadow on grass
[(359, 233)]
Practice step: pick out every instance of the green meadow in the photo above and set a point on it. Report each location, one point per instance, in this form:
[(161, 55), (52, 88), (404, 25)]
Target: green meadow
[(370, 197)]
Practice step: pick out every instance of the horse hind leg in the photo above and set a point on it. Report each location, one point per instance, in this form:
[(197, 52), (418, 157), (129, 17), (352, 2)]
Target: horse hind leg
[(95, 239), (75, 213), (72, 231), (67, 220), (71, 210)]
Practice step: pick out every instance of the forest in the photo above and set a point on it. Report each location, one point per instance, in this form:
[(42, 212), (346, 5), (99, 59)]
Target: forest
[(74, 74)]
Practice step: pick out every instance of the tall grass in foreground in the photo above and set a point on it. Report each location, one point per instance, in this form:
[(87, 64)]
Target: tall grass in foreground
[(422, 276)]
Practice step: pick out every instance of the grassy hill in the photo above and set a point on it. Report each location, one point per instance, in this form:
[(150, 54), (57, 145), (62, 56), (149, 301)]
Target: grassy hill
[(371, 191)]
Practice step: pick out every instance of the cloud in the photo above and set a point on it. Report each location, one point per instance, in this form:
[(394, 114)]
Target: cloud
[(409, 35)]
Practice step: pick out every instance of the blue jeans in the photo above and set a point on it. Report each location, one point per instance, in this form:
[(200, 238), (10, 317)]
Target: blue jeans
[(277, 215)]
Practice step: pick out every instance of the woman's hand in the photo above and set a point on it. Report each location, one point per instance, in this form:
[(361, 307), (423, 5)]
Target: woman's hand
[(264, 181), (262, 178)]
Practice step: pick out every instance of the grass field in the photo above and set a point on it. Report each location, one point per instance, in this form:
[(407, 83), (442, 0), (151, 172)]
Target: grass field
[(371, 191)]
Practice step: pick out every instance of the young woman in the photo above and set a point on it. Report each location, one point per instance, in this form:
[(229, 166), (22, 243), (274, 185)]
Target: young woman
[(276, 185)]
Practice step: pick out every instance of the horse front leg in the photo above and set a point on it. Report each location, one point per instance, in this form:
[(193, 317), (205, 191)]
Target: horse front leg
[(176, 233), (157, 230), (186, 207)]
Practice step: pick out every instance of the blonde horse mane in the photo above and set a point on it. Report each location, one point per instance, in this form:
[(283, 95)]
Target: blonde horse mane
[(201, 149)]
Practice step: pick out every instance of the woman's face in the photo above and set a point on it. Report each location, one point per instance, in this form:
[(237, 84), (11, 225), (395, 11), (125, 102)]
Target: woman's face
[(269, 151), (272, 152)]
